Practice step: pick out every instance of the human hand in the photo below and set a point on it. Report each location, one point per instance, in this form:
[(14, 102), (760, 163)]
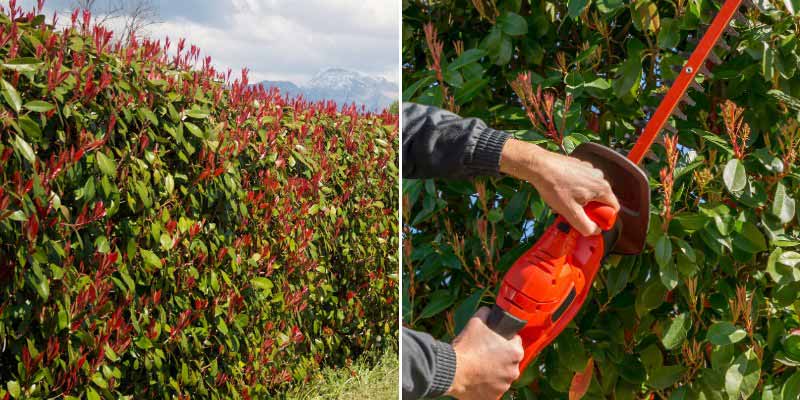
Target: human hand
[(486, 363), (565, 183)]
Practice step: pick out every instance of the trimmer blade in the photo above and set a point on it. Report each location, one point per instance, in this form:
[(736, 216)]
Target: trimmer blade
[(706, 72), (714, 58), (730, 31), (696, 86), (740, 18), (677, 113), (724, 46), (688, 100)]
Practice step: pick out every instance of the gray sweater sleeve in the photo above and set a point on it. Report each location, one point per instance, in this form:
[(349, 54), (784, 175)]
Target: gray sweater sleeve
[(440, 144), (428, 365)]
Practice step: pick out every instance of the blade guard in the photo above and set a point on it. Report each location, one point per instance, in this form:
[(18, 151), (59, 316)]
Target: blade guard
[(629, 183), (546, 287)]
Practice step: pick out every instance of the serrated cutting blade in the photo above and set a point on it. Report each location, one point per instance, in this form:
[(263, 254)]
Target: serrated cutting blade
[(704, 51)]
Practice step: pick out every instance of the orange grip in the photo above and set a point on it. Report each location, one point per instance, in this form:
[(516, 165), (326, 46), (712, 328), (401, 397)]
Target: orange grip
[(602, 214)]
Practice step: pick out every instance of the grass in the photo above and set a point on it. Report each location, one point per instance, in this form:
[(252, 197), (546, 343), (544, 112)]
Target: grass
[(372, 378)]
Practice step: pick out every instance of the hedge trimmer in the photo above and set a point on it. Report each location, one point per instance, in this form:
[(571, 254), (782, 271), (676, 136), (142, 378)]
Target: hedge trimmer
[(548, 284)]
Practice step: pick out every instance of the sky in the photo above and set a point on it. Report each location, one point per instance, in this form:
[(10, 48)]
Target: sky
[(281, 39)]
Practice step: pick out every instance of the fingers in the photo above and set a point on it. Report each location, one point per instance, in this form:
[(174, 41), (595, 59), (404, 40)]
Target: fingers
[(608, 198), (578, 219), (517, 351)]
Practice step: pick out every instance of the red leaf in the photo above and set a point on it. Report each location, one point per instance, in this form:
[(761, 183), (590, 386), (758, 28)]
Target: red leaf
[(581, 380)]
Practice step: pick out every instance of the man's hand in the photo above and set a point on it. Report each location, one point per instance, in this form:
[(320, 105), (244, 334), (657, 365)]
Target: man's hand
[(565, 183), (486, 363)]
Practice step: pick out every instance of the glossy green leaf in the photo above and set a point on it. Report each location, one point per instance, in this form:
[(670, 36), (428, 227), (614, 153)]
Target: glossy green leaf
[(742, 377), (724, 332), (735, 176), (11, 95), (438, 302), (39, 106), (512, 24), (677, 331)]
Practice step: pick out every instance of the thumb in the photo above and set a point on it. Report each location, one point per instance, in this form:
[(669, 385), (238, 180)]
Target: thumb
[(581, 222)]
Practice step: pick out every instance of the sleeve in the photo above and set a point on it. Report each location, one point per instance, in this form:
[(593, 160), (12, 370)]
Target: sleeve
[(428, 365), (440, 144)]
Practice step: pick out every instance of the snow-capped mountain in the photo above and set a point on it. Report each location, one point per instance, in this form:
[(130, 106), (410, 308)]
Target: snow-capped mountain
[(344, 87)]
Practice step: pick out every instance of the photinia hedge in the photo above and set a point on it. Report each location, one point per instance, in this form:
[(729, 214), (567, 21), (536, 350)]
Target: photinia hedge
[(167, 231), (710, 309)]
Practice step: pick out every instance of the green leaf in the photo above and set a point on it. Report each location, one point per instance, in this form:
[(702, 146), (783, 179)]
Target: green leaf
[(783, 205), (11, 95), (150, 258), (677, 331), (24, 149), (197, 113), (23, 64), (91, 394), (262, 283), (791, 389), (13, 388), (39, 106), (576, 7), (628, 75), (30, 127), (750, 239), (439, 301), (724, 332), (467, 309), (467, 57), (222, 326), (512, 24), (609, 6), (644, 14), (650, 297), (515, 209), (743, 375), (734, 176), (194, 130), (666, 376), (670, 34), (663, 251), (106, 164), (470, 89)]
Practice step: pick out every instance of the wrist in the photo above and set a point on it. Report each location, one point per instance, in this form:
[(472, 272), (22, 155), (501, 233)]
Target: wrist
[(521, 160), (457, 387)]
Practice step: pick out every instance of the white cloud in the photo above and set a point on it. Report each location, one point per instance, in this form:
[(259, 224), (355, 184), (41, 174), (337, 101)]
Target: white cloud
[(288, 39)]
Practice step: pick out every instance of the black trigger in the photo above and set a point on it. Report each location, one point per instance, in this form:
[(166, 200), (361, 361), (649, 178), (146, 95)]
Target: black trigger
[(563, 307)]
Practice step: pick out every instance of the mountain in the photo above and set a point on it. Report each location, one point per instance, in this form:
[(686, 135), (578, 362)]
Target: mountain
[(344, 87)]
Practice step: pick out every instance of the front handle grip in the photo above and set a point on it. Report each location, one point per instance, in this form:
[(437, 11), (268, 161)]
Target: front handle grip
[(603, 215), (503, 323)]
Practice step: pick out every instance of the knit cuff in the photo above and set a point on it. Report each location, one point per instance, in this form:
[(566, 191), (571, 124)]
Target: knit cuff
[(486, 156), (445, 369)]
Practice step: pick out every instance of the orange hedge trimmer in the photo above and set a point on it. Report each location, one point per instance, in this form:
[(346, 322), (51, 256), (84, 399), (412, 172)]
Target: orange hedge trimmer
[(545, 288)]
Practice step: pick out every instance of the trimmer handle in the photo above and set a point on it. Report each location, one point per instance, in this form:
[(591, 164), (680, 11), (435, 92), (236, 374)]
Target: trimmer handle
[(503, 323), (603, 215), (507, 325)]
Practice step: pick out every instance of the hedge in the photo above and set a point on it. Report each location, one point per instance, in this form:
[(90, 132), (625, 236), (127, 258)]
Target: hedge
[(710, 309), (170, 231)]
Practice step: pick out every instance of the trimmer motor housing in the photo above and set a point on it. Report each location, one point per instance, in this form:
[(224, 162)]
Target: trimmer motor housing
[(546, 287)]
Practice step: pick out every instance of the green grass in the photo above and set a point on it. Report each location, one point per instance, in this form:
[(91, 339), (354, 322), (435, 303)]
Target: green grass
[(372, 378)]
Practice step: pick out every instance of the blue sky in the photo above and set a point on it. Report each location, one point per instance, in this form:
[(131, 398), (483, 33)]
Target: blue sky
[(282, 39)]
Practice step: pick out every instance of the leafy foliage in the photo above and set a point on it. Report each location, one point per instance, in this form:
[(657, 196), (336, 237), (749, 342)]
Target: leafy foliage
[(169, 232), (710, 309)]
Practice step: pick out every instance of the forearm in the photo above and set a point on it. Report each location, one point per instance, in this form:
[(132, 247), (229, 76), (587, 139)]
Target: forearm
[(428, 365), (440, 144)]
